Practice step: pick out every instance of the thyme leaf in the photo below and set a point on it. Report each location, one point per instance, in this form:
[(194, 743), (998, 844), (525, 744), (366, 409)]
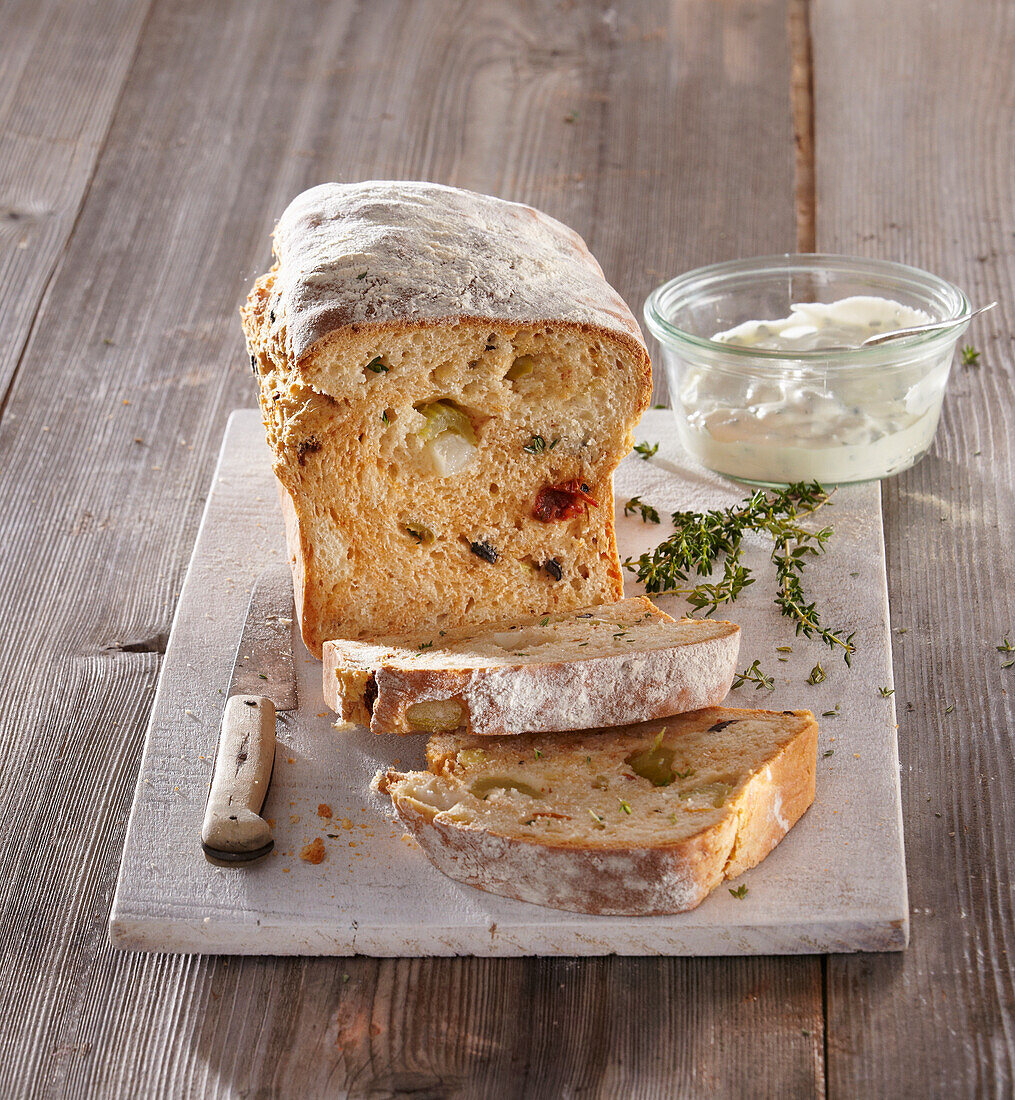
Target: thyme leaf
[(646, 450), (648, 513)]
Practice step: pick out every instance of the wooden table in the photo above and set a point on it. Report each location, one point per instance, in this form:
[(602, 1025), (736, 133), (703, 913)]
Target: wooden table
[(145, 148)]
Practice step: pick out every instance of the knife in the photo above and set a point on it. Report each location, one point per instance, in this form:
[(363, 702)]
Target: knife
[(263, 682)]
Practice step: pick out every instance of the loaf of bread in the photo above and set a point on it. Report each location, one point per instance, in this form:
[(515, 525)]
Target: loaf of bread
[(636, 821), (448, 382), (600, 666)]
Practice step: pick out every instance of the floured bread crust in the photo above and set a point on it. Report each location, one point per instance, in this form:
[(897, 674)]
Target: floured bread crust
[(447, 383), (402, 251), (567, 849), (599, 666)]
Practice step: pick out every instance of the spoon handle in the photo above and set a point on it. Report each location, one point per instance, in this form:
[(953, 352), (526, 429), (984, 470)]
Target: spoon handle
[(915, 330)]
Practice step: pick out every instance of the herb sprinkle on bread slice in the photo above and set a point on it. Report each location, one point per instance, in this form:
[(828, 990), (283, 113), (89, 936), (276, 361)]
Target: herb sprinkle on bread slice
[(598, 666), (638, 821)]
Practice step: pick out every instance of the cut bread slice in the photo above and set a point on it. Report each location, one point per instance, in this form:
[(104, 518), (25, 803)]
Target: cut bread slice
[(640, 820), (599, 666)]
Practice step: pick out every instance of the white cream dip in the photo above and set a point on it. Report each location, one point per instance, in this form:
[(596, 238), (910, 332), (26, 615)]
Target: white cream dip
[(804, 420)]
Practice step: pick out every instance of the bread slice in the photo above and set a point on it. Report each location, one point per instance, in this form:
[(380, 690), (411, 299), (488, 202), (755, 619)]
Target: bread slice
[(635, 821), (448, 382), (600, 666)]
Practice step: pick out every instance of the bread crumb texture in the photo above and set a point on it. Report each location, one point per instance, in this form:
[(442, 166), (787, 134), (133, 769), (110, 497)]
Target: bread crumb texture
[(447, 383), (632, 821), (314, 851)]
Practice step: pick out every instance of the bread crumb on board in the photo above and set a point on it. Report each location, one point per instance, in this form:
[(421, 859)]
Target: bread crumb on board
[(324, 810), (314, 851)]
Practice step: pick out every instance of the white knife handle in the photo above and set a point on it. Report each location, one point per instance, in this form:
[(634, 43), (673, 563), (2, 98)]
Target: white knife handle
[(233, 829)]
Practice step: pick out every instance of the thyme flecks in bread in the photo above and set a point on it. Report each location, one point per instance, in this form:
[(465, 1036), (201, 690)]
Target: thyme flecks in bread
[(637, 820), (411, 343)]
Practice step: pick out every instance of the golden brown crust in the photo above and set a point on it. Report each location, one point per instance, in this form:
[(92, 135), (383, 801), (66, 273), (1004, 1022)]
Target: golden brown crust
[(299, 553), (775, 800)]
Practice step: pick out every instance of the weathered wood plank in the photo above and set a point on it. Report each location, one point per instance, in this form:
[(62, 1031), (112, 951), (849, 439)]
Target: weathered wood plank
[(914, 162), (62, 66), (663, 133), (802, 82)]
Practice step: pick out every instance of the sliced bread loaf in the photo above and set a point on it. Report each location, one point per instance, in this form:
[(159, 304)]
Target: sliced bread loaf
[(640, 820), (448, 382), (600, 666)]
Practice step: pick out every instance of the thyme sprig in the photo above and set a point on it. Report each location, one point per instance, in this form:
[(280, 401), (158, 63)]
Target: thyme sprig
[(755, 676), (648, 513), (700, 539), (710, 597)]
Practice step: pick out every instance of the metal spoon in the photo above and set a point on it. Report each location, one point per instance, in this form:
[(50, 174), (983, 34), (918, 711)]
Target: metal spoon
[(914, 330)]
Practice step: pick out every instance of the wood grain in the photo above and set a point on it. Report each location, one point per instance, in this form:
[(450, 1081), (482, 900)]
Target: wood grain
[(663, 133), (62, 66), (914, 162), (802, 88)]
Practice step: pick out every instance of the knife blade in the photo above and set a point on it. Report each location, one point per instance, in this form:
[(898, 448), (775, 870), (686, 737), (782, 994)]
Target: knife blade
[(263, 682)]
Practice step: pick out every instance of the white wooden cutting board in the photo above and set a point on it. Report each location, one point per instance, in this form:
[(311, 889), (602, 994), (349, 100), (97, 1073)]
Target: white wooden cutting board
[(836, 883)]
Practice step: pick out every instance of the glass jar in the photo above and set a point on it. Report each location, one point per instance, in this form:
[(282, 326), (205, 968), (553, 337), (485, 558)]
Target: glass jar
[(771, 416)]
